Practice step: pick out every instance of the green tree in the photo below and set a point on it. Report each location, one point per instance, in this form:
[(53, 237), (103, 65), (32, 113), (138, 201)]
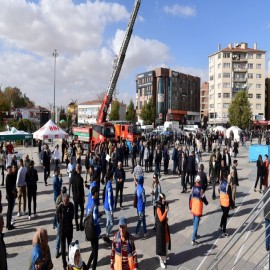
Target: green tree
[(15, 97), (131, 112), (26, 125), (148, 112), (4, 103), (114, 114), (240, 113)]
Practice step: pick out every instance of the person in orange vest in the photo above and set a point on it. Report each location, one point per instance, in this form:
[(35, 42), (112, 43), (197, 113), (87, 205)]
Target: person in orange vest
[(196, 200), (226, 202)]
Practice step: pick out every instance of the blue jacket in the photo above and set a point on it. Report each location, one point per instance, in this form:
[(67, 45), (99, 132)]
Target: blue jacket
[(57, 184), (36, 255), (109, 200), (94, 202), (140, 196)]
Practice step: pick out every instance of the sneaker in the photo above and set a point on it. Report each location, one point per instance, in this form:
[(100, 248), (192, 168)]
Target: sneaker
[(224, 235), (136, 235), (194, 243), (145, 235), (162, 265), (19, 214), (29, 217)]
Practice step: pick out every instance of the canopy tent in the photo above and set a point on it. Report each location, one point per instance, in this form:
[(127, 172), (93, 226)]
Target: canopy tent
[(236, 132), (15, 135), (219, 128), (50, 131)]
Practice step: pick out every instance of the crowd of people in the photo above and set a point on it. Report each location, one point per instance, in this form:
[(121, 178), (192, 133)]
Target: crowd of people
[(102, 184)]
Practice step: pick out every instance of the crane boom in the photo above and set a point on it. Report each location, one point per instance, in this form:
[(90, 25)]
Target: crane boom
[(102, 114)]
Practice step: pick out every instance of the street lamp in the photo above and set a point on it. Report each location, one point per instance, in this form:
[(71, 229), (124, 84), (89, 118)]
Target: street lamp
[(55, 54)]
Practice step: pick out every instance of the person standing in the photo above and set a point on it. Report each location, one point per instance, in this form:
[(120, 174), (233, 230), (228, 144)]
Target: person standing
[(70, 170), (266, 171), (64, 216), (141, 153), (57, 183), (123, 255), (3, 251), (234, 181), (191, 170), (108, 206), (46, 163), (78, 196), (166, 159), (227, 159), (260, 173), (56, 156), (126, 154), (158, 158), (225, 203), (133, 156), (92, 206), (156, 190), (10, 151), (2, 163), (21, 187), (146, 158), (183, 169), (11, 194), (64, 149), (203, 177), (213, 168), (163, 239), (31, 179), (120, 177), (141, 200), (196, 200)]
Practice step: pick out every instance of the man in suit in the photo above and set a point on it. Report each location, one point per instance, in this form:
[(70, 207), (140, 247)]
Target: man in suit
[(183, 169), (46, 164), (191, 170)]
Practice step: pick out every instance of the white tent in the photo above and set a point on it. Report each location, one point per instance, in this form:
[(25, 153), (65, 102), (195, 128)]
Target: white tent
[(50, 131), (219, 128), (236, 132)]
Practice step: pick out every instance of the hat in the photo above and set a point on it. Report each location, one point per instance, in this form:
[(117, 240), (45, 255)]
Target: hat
[(64, 190), (122, 221), (198, 178)]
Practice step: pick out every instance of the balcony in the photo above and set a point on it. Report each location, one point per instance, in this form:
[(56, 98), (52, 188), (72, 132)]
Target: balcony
[(240, 79), (239, 58)]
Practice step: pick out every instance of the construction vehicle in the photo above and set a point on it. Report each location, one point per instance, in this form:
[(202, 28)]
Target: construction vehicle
[(102, 131)]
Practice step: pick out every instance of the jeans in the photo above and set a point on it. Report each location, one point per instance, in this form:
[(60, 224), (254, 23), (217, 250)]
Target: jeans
[(32, 194), (109, 223), (157, 169), (94, 255), (57, 237), (196, 221), (141, 220), (11, 203), (223, 221), (267, 233), (175, 164), (119, 187)]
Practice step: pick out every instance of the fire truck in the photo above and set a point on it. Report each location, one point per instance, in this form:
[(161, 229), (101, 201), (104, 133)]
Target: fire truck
[(102, 131)]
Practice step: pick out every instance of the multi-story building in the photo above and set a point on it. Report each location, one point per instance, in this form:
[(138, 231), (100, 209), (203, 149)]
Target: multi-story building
[(267, 94), (176, 96), (204, 104), (232, 69), (88, 111)]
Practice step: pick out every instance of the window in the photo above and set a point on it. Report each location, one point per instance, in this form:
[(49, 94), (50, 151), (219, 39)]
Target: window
[(226, 105), (249, 85), (258, 56), (250, 66), (211, 69), (219, 86), (258, 66), (226, 55), (258, 96), (226, 95), (226, 65), (250, 75), (210, 59), (203, 106), (250, 56), (226, 75), (219, 105), (203, 93), (250, 95), (211, 96), (226, 85), (211, 115), (219, 55), (219, 75), (219, 65), (258, 76), (258, 86), (211, 78), (219, 95), (258, 106), (211, 106)]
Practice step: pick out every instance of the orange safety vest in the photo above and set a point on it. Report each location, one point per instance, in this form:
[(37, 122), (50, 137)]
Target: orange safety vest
[(196, 201), (224, 196)]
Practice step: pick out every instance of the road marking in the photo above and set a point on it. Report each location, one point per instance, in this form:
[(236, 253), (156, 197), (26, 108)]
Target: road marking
[(209, 251)]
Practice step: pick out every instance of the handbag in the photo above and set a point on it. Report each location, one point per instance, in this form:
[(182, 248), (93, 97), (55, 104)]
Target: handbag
[(135, 199)]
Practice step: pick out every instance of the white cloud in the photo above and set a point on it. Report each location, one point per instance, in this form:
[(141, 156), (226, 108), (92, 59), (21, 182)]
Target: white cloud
[(181, 10), (84, 64), (199, 72)]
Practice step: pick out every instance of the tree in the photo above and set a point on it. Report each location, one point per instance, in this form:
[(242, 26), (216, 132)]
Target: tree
[(114, 114), (101, 95), (15, 97), (240, 113), (148, 112), (4, 104), (131, 113)]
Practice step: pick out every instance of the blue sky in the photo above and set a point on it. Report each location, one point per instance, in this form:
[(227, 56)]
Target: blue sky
[(87, 35)]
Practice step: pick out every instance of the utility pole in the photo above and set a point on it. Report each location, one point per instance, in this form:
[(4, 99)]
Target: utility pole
[(55, 54)]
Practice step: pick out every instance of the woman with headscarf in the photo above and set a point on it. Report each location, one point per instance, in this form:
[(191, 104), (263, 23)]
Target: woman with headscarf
[(41, 255), (163, 239), (75, 259)]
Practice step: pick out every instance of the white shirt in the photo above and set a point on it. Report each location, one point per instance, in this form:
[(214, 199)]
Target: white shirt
[(56, 153)]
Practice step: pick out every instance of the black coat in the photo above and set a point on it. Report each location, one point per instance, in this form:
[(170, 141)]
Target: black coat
[(65, 215), (31, 179), (161, 233), (191, 165), (77, 188)]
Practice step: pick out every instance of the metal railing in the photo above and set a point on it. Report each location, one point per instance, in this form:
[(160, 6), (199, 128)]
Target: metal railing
[(241, 250)]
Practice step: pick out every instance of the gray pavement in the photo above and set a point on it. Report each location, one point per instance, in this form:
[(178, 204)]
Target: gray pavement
[(182, 256)]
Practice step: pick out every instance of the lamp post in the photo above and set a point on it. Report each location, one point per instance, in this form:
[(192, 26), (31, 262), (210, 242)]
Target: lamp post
[(55, 54)]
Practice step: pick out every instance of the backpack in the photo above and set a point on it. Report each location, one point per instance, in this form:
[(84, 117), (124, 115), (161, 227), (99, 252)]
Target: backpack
[(89, 227)]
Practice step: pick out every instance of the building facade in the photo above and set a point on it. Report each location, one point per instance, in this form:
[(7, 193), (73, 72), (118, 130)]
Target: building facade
[(204, 102), (234, 68), (267, 94), (88, 111), (176, 96)]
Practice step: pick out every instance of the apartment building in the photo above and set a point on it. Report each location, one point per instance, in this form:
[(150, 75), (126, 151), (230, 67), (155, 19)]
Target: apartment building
[(234, 68), (176, 96), (204, 102)]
